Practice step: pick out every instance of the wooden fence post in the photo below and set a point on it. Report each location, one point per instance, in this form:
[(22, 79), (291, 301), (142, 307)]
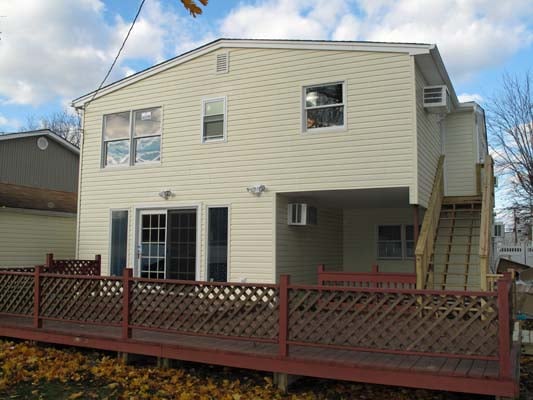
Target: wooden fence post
[(127, 274), (284, 315), (504, 325), (321, 269), (98, 261), (37, 323), (49, 263)]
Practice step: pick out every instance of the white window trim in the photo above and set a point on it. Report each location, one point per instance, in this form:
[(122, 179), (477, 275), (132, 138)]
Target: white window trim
[(224, 125), (303, 109), (131, 138), (206, 261), (403, 236)]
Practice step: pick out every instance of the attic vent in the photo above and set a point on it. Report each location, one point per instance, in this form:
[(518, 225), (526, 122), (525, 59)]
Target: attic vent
[(437, 99), (222, 66)]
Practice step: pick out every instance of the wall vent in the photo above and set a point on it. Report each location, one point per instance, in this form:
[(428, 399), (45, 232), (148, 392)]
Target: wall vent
[(437, 99), (222, 64), (302, 214)]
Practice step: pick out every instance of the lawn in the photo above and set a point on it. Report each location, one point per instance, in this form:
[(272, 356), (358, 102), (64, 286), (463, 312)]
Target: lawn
[(42, 372)]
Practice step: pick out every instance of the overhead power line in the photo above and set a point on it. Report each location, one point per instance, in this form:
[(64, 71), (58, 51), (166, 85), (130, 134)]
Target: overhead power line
[(118, 53)]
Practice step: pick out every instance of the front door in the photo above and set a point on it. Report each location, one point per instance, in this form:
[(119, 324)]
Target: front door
[(167, 244)]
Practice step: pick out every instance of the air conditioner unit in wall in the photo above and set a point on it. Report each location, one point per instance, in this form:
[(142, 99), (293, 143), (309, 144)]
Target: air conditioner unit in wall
[(302, 214), (437, 99)]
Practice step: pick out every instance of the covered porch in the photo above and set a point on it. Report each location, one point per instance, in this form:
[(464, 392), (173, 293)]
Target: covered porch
[(348, 230)]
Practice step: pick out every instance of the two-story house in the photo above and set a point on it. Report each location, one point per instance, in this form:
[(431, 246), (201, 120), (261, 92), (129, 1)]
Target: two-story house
[(38, 197), (245, 159)]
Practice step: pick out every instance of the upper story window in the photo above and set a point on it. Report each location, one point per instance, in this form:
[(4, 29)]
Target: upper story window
[(324, 106), (214, 120), (132, 137)]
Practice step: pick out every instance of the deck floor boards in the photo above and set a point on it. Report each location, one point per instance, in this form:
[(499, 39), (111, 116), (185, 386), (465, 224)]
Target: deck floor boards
[(390, 361)]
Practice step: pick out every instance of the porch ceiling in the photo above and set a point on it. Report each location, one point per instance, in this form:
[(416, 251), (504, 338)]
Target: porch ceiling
[(355, 198)]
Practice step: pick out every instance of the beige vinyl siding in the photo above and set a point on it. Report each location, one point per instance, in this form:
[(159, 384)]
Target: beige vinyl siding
[(461, 156), (360, 238), (26, 237), (300, 249), (264, 143), (428, 143)]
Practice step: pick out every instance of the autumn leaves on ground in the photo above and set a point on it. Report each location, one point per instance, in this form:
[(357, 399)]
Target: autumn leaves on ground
[(40, 372)]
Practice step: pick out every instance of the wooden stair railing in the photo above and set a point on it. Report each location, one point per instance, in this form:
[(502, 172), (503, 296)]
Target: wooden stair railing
[(426, 240), (487, 206)]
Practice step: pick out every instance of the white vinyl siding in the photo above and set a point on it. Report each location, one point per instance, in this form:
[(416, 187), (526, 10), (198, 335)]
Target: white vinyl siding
[(461, 154), (429, 147), (360, 237), (300, 249), (26, 237), (265, 145)]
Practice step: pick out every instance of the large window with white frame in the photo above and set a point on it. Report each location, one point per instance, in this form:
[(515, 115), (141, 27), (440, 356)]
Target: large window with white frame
[(214, 119), (395, 242), (132, 137), (324, 107)]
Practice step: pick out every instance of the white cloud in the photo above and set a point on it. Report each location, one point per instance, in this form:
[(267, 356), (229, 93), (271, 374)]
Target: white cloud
[(9, 124), (50, 49), (464, 97)]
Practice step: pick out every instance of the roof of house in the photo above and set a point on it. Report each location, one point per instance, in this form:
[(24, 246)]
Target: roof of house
[(428, 58), (41, 132)]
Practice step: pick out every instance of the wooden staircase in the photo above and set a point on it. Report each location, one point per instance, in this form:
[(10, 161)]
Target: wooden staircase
[(455, 261), (453, 249)]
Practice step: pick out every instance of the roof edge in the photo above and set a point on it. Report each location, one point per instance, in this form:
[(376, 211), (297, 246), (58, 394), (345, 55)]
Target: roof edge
[(409, 48), (42, 132)]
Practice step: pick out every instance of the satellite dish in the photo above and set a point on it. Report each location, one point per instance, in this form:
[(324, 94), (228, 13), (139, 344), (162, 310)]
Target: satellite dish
[(42, 143)]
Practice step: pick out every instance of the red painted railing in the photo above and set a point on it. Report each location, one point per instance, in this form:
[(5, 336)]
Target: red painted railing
[(471, 325), (65, 267), (373, 279)]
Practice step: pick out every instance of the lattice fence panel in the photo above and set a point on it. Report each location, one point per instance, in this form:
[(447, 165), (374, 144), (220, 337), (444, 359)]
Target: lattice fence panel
[(75, 267), (16, 294), (88, 300), (395, 321), (233, 311)]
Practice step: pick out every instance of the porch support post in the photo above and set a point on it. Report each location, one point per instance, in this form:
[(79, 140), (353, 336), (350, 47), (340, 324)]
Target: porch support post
[(283, 315), (416, 229), (37, 322), (127, 274)]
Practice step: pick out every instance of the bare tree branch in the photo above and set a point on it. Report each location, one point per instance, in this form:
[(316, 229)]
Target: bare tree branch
[(65, 124)]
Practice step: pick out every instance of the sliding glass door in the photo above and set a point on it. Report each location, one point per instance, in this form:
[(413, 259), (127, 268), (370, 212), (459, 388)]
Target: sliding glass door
[(167, 248)]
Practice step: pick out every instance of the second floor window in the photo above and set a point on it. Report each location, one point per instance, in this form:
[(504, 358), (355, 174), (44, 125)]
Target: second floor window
[(132, 137), (324, 106), (214, 120)]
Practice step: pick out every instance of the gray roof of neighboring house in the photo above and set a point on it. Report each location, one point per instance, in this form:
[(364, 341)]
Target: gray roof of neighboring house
[(41, 132)]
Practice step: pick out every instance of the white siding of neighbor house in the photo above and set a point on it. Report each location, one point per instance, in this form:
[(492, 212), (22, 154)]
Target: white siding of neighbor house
[(26, 237), (300, 249), (360, 238), (461, 154), (428, 143), (264, 145)]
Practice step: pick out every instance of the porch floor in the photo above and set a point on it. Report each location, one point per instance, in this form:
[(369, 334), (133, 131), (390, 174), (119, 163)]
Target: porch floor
[(440, 373)]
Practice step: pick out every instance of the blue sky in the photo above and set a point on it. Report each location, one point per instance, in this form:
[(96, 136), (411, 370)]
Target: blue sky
[(55, 50)]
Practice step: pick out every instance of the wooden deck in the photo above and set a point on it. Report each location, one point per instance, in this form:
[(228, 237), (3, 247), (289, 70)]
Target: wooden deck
[(420, 339)]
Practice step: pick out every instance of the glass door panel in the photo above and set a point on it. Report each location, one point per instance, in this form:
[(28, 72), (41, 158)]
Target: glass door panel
[(181, 245), (152, 244)]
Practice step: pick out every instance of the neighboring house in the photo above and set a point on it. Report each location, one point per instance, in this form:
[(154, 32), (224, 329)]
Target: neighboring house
[(245, 159), (38, 197)]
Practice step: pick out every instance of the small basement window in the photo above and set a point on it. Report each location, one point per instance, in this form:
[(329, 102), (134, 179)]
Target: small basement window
[(324, 107), (214, 120), (396, 242)]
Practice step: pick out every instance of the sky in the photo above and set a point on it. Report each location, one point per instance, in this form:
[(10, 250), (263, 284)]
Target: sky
[(52, 51)]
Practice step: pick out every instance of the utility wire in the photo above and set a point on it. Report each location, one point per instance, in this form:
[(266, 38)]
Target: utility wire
[(118, 53)]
